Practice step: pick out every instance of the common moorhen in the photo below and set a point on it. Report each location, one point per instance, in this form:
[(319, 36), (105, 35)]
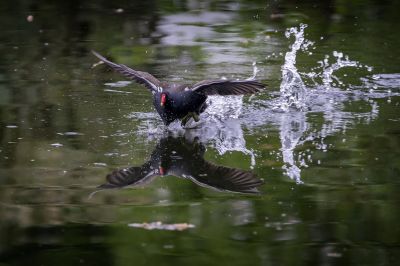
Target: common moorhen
[(176, 101), (184, 158)]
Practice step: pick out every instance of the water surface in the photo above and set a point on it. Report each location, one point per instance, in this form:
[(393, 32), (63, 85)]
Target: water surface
[(305, 173)]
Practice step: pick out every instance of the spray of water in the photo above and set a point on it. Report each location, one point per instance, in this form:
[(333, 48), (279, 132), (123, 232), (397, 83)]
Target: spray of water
[(325, 96), (223, 122), (292, 89)]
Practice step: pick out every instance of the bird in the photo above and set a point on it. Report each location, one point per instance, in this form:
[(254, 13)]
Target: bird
[(183, 101), (180, 157)]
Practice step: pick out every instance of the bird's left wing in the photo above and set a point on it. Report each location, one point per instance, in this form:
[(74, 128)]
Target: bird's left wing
[(140, 77), (131, 176), (227, 87)]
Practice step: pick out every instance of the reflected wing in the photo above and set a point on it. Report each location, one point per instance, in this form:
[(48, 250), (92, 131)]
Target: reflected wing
[(227, 87), (131, 176), (140, 77), (227, 179)]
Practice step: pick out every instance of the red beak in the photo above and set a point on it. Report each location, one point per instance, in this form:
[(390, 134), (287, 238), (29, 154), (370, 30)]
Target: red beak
[(163, 99), (162, 171)]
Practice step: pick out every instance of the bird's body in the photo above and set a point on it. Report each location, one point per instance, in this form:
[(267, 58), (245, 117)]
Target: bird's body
[(182, 102)]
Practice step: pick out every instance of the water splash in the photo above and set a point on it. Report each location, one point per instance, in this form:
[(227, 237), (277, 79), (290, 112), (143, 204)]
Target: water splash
[(255, 71), (325, 96), (292, 88), (292, 128), (329, 69), (223, 122), (326, 77), (219, 126), (382, 83)]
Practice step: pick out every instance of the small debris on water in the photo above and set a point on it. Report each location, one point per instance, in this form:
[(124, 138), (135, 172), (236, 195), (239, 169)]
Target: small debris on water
[(72, 133), (11, 126), (56, 145), (119, 10), (117, 91), (100, 164), (160, 226), (334, 254), (29, 18), (118, 84)]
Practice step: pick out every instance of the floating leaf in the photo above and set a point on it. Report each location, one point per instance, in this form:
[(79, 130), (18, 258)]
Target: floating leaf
[(160, 226)]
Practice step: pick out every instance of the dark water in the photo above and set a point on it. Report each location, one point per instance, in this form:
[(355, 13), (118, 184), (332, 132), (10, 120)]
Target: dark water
[(320, 147)]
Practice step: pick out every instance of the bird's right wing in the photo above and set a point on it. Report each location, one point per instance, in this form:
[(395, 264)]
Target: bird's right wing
[(226, 179), (140, 77), (227, 87)]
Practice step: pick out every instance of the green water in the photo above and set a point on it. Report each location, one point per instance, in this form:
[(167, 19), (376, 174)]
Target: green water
[(330, 172)]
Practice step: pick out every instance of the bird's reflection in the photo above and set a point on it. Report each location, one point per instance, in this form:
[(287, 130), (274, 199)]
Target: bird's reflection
[(178, 156)]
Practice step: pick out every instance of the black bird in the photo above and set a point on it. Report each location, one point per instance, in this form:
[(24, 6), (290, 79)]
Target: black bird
[(174, 101), (180, 157)]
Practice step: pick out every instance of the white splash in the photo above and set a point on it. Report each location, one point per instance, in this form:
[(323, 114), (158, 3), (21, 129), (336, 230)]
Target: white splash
[(296, 100), (328, 69), (292, 89), (255, 71), (219, 126)]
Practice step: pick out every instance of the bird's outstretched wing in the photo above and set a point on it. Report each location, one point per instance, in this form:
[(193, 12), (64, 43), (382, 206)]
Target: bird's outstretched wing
[(131, 176), (140, 77), (227, 87), (226, 179)]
